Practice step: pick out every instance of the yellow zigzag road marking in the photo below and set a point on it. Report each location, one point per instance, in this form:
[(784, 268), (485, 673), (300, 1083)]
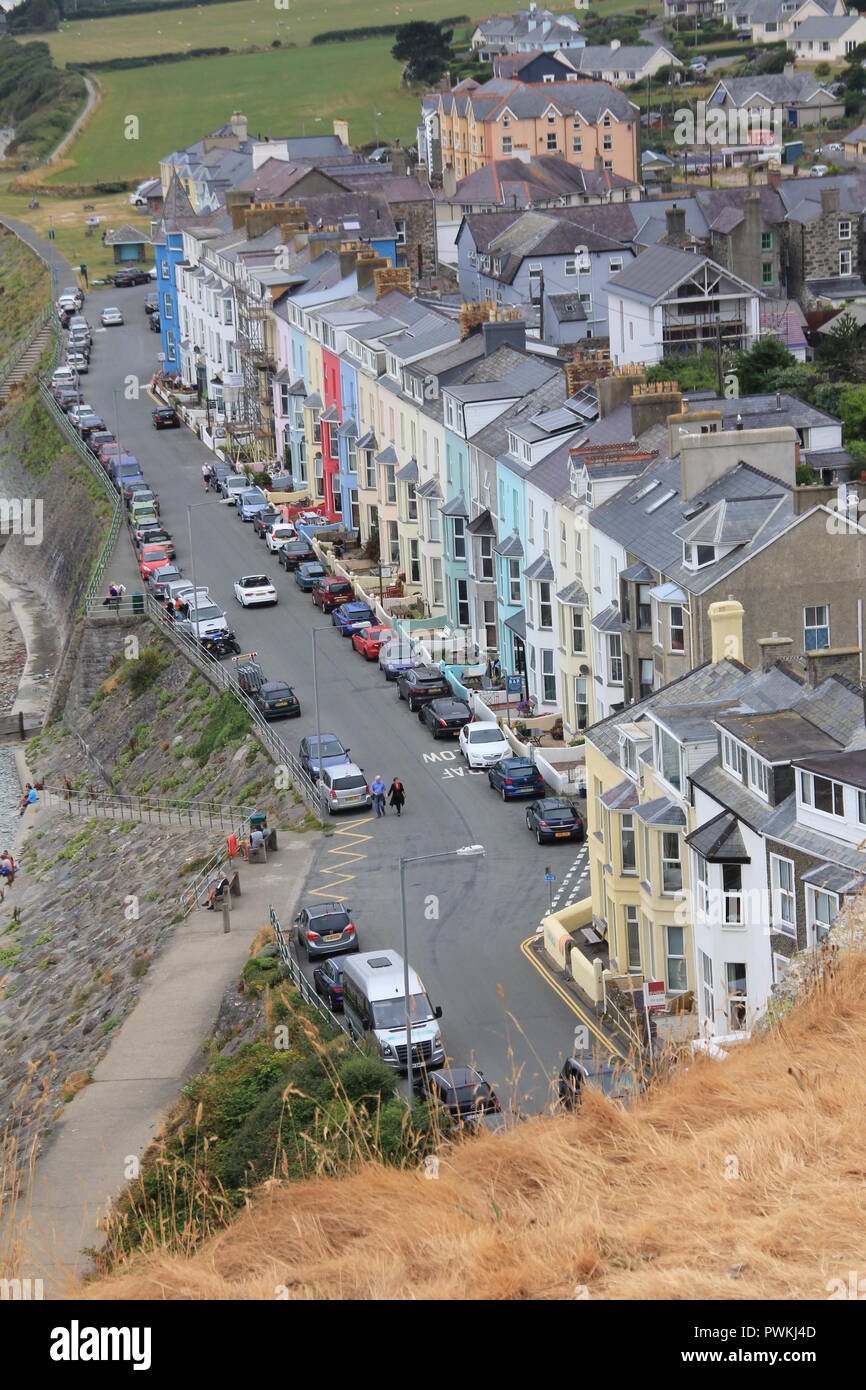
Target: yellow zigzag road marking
[(570, 1001), (347, 854)]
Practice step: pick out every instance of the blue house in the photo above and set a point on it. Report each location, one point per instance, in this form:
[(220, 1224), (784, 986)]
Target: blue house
[(177, 213), (347, 441)]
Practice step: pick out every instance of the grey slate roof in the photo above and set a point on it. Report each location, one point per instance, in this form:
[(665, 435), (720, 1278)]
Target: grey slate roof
[(845, 766), (455, 506), (782, 825), (661, 269), (510, 547), (837, 287), (662, 812), (773, 89), (368, 441), (540, 569), (517, 624), (778, 735), (388, 455), (574, 595), (638, 573), (409, 472), (608, 620), (622, 797), (482, 525), (837, 878), (719, 840)]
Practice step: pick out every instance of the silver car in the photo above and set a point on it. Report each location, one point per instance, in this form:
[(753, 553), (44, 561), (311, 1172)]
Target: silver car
[(346, 788)]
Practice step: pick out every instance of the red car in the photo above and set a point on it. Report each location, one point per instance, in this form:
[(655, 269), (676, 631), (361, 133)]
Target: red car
[(329, 593), (368, 640), (153, 557), (107, 452)]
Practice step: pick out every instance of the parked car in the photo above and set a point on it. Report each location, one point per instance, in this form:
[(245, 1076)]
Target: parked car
[(153, 323), (346, 788), (325, 929), (152, 557), (124, 279), (151, 302), (328, 981), (368, 640), (330, 592), (333, 753), (295, 553), (308, 575), (111, 317), (277, 536), (554, 818), (231, 485), (420, 684), (254, 588), (445, 718), (349, 617), (516, 777), (159, 580), (143, 524), (91, 426), (165, 418), (157, 535), (483, 743), (203, 619), (396, 657), (262, 519), (218, 473), (77, 362), (818, 171), (248, 501), (63, 377), (610, 1077), (463, 1092), (100, 437), (72, 294), (276, 700)]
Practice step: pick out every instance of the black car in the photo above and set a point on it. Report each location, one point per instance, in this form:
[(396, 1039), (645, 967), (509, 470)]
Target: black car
[(218, 471), (328, 980), (261, 519), (421, 684), (554, 818), (165, 418), (276, 700), (295, 553), (151, 303), (123, 279), (445, 718), (463, 1092), (326, 928), (516, 777), (157, 535), (153, 323), (101, 437)]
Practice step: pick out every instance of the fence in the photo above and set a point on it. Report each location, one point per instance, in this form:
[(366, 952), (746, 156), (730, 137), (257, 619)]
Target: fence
[(296, 976), (125, 806), (11, 360)]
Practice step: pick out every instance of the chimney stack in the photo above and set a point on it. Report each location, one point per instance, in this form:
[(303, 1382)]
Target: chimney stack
[(829, 199), (341, 130), (774, 648), (726, 622), (675, 231), (239, 126), (399, 158), (449, 181)]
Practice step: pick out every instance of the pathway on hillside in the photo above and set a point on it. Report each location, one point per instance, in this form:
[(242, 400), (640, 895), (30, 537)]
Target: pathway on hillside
[(156, 1050), (92, 98)]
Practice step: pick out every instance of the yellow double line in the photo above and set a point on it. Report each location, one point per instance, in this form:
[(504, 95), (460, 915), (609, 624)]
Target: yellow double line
[(346, 853), (569, 1000)]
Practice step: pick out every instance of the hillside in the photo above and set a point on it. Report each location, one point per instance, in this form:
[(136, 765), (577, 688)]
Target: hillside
[(740, 1180)]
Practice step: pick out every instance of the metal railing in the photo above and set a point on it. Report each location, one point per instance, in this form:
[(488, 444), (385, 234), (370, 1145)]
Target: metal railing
[(152, 810), (200, 885), (11, 360), (296, 975)]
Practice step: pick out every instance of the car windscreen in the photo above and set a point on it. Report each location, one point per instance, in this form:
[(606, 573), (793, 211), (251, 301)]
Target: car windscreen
[(485, 736), (331, 748), (353, 783), (255, 581), (467, 1097), (391, 1013), (206, 613), (558, 815), (253, 496)]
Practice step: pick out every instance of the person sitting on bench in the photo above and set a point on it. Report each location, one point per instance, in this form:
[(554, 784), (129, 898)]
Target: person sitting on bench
[(218, 889), (256, 841)]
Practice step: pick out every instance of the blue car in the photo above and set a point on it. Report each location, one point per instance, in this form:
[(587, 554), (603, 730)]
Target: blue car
[(333, 754), (350, 616), (397, 656), (250, 501), (307, 574), (514, 777)]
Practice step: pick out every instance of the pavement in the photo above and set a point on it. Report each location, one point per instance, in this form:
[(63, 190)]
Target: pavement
[(467, 918), (105, 1129)]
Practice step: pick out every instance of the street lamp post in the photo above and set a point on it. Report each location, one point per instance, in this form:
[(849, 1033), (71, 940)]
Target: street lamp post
[(465, 852), (315, 632), (189, 508)]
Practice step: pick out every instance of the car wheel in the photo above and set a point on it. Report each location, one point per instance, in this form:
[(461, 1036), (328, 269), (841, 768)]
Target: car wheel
[(528, 821), (502, 794), (538, 836), (399, 693)]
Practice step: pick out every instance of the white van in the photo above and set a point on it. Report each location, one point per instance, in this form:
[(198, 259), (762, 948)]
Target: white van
[(374, 1005)]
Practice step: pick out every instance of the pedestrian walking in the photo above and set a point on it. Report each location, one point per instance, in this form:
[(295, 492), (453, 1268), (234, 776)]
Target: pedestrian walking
[(397, 795), (206, 475), (377, 787)]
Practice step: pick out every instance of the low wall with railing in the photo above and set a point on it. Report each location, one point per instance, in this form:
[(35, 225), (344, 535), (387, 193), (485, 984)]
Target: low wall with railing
[(307, 993), (559, 943)]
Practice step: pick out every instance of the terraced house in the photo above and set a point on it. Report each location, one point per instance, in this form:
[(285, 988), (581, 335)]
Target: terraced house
[(581, 121)]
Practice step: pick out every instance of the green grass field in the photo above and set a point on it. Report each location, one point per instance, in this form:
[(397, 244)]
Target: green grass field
[(279, 92)]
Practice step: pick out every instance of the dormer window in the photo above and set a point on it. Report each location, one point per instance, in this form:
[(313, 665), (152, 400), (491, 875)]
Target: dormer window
[(759, 777), (628, 756), (606, 121), (513, 447), (506, 120), (696, 556), (821, 794), (667, 758), (733, 757)]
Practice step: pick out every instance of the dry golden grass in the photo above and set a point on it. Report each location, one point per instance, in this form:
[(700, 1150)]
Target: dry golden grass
[(638, 1204)]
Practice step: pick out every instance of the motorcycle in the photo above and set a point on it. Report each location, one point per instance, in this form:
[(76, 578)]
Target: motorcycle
[(221, 644)]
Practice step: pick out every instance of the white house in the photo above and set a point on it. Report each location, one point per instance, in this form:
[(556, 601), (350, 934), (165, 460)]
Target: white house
[(828, 38)]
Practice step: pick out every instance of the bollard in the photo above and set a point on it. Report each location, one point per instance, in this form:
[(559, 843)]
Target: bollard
[(227, 907)]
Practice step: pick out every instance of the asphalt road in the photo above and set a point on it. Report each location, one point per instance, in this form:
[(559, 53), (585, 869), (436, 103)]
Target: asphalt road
[(467, 918)]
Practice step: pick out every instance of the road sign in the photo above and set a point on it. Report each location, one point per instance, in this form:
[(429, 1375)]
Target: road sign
[(654, 995), (549, 878), (514, 685)]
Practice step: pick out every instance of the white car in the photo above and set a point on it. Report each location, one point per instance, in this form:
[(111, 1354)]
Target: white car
[(111, 318), (817, 171), (483, 743), (254, 588), (278, 535)]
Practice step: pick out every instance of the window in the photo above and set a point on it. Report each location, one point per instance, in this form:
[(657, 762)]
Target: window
[(414, 563), (433, 521), (596, 568), (707, 1000), (844, 262), (658, 636), (551, 118), (732, 895), (827, 796), (462, 603), (459, 538), (614, 653), (614, 264), (506, 144), (599, 808), (390, 484), (628, 756), (570, 267), (861, 807), (632, 935), (733, 757), (551, 140), (672, 869), (784, 900), (486, 557), (766, 241), (400, 224), (702, 888), (646, 862), (675, 961), (163, 269), (844, 231), (578, 632), (735, 983), (821, 909), (581, 702), (668, 758), (576, 144), (607, 142), (629, 847), (411, 501), (767, 276), (530, 519), (167, 311), (759, 777), (545, 607), (514, 581), (676, 628), (369, 470), (170, 344), (816, 628), (646, 677), (548, 679)]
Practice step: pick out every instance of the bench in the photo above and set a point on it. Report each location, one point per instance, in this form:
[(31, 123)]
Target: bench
[(234, 890), (258, 855)]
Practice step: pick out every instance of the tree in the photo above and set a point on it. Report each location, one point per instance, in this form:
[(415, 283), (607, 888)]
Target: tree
[(840, 349), (754, 366), (425, 51), (852, 411)]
